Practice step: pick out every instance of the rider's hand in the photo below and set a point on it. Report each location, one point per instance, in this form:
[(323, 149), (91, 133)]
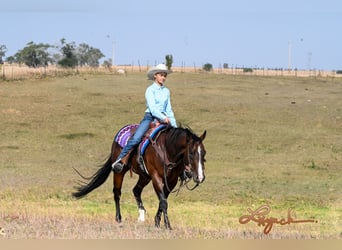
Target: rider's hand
[(166, 120)]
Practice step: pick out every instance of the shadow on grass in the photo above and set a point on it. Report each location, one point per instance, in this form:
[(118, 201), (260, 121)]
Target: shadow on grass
[(73, 136)]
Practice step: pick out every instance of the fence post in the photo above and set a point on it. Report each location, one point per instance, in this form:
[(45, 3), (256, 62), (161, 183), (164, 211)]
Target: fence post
[(3, 71)]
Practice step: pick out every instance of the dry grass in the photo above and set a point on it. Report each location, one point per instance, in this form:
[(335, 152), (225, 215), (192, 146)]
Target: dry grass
[(271, 140)]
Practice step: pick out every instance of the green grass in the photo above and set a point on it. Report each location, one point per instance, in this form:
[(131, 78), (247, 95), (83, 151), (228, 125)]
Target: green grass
[(270, 140)]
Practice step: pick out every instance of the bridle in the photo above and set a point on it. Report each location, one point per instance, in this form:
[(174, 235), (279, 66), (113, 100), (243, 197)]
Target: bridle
[(168, 165), (188, 166)]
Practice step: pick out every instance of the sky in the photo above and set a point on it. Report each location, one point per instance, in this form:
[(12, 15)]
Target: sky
[(302, 34)]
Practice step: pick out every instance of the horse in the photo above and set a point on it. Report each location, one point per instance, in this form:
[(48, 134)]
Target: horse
[(168, 155)]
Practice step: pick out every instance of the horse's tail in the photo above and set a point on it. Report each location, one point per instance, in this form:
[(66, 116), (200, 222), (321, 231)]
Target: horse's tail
[(96, 180)]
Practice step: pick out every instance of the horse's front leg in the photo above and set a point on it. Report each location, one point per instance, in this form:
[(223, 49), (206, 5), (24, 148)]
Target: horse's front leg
[(162, 209), (157, 218), (137, 190)]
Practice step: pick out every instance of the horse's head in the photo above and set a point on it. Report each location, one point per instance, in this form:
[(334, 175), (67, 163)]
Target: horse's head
[(196, 157)]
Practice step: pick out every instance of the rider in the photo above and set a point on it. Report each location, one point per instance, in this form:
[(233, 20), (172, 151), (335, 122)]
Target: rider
[(158, 108)]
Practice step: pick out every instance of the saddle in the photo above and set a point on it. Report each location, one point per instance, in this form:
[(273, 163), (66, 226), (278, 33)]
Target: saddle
[(126, 132)]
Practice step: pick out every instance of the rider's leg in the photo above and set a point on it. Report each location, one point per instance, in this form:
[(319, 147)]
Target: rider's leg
[(133, 141)]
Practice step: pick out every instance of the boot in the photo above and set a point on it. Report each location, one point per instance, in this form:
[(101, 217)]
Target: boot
[(117, 166)]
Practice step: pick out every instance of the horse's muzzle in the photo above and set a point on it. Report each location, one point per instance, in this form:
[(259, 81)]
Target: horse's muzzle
[(199, 179)]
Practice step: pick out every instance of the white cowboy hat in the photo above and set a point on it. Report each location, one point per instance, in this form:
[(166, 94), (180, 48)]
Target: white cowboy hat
[(157, 69)]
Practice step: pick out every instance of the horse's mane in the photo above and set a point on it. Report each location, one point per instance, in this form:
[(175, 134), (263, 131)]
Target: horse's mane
[(175, 133)]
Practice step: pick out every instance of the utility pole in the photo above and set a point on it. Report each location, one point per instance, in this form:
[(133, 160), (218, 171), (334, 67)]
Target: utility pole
[(113, 54), (309, 60), (289, 58)]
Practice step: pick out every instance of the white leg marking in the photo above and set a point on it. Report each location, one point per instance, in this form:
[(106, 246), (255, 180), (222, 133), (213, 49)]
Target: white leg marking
[(141, 215)]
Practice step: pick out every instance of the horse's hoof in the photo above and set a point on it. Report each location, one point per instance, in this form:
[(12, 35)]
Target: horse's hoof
[(120, 225)]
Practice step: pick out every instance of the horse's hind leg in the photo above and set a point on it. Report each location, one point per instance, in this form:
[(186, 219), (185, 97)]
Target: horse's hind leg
[(137, 190), (118, 179)]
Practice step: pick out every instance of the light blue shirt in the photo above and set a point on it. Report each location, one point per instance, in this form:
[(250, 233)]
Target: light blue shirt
[(158, 103)]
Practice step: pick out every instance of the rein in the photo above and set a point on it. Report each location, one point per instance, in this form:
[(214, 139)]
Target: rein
[(162, 154), (185, 183), (190, 167)]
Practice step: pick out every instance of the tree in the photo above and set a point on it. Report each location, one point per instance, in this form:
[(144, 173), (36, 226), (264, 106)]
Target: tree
[(88, 56), (34, 55), (82, 55), (247, 70), (169, 61), (108, 64), (69, 58), (10, 59), (68, 55), (3, 50), (207, 67)]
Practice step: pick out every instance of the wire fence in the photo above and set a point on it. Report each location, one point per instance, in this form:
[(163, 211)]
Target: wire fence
[(12, 72)]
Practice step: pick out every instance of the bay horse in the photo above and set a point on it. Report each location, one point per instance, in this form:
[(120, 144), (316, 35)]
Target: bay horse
[(171, 152)]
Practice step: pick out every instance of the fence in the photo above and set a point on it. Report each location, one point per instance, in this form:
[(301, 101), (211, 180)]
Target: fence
[(18, 72)]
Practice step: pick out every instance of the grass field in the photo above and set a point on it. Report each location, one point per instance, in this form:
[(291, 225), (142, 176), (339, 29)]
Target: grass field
[(272, 141)]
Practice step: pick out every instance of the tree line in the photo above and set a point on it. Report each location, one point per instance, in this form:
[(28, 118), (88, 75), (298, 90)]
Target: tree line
[(66, 54)]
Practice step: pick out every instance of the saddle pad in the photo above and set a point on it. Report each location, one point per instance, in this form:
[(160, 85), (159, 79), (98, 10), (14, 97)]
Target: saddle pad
[(127, 131), (150, 133)]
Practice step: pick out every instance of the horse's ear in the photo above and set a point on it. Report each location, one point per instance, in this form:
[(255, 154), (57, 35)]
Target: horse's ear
[(203, 135)]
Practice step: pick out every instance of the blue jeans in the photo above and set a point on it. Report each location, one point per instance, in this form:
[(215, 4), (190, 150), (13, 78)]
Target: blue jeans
[(138, 135)]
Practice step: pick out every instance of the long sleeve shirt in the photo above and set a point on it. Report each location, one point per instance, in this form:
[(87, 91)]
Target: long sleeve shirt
[(158, 103)]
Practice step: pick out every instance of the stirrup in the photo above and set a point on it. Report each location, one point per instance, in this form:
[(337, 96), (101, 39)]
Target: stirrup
[(117, 166)]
